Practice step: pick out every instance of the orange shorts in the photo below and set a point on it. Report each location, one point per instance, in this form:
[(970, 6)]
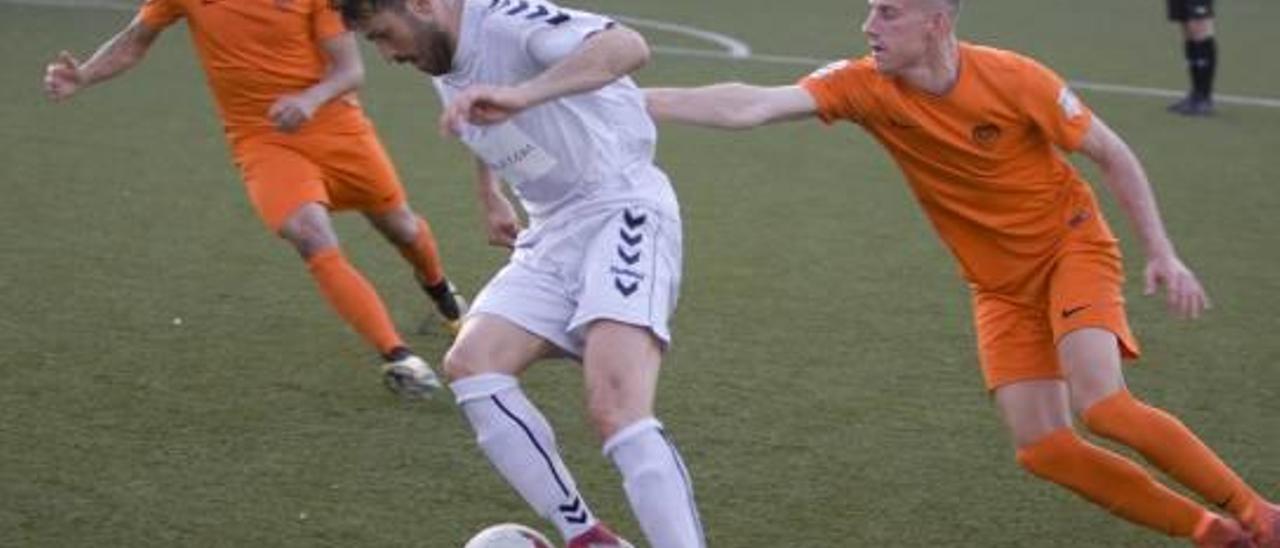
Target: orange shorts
[(1018, 335), (283, 172)]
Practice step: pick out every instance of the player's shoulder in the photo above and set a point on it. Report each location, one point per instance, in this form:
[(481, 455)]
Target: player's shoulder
[(856, 68), (999, 60), (520, 15)]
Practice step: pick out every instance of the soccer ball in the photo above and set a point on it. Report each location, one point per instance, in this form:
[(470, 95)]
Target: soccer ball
[(508, 535)]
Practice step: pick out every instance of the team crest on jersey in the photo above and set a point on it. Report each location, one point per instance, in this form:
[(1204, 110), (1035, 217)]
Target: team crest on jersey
[(1070, 104), (829, 69), (986, 135)]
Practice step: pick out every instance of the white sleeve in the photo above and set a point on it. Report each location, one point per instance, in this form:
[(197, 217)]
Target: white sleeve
[(550, 43)]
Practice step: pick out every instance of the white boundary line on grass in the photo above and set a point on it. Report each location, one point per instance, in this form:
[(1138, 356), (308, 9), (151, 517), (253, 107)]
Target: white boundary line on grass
[(1121, 89), (734, 49)]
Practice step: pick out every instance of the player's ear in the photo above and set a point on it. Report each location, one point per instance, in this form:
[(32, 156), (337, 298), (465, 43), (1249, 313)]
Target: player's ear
[(939, 24)]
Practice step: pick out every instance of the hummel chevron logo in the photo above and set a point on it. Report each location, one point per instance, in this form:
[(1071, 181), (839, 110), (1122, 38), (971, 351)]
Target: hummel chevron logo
[(559, 18), (629, 259), (538, 12), (519, 8), (574, 512), (633, 221), (631, 239), (625, 289)]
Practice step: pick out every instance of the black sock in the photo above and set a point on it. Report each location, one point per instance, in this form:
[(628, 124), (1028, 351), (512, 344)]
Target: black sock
[(442, 294), (398, 353), (1202, 61)]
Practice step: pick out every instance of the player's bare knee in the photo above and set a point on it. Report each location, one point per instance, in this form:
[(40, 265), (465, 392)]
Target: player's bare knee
[(461, 362), (605, 420), (609, 413), (1199, 29), (1087, 392), (309, 231)]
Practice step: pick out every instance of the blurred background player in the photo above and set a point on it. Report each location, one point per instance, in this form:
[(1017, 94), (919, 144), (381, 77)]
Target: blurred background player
[(1201, 50), (542, 97), (979, 134), (283, 74)]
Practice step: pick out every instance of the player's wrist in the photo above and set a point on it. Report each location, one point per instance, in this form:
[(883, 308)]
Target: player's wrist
[(1161, 251)]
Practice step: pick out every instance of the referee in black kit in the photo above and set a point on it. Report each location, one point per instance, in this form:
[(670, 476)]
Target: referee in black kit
[(1196, 19)]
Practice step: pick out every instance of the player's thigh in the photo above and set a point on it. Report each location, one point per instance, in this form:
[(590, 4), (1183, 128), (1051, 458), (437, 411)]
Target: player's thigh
[(358, 172), (492, 344), (1015, 340), (1090, 324), (279, 180)]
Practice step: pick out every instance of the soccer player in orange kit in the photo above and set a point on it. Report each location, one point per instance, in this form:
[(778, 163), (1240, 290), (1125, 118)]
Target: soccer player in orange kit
[(283, 74), (978, 133)]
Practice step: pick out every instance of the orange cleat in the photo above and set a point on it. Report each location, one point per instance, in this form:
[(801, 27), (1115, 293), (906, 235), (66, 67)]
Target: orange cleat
[(1263, 519), (1215, 531)]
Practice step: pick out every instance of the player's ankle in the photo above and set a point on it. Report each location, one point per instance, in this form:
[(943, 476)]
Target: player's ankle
[(397, 353)]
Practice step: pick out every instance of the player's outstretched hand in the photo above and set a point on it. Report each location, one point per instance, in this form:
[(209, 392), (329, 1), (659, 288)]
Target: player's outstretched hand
[(481, 105), (1183, 293), (288, 113), (62, 77)]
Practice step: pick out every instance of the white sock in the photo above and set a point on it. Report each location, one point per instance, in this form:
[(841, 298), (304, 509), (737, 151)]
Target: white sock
[(521, 446), (657, 485)]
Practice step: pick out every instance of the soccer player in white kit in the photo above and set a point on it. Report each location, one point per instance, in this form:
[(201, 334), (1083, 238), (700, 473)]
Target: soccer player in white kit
[(541, 96)]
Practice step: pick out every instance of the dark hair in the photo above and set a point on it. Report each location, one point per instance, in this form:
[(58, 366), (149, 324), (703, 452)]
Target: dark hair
[(355, 11)]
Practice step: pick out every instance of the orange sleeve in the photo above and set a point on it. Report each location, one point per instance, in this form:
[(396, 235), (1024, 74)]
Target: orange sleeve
[(1053, 107), (159, 14), (840, 90), (325, 21)]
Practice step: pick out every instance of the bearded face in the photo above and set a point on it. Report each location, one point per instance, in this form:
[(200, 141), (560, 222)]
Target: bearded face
[(408, 35)]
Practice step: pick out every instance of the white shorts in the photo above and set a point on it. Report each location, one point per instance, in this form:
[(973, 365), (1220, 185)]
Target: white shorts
[(620, 263)]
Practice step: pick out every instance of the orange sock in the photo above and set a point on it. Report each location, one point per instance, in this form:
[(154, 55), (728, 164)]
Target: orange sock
[(1110, 481), (1169, 445), (353, 298), (423, 255)]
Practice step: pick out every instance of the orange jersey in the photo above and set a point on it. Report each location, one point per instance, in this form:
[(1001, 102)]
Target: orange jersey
[(983, 160), (256, 51)]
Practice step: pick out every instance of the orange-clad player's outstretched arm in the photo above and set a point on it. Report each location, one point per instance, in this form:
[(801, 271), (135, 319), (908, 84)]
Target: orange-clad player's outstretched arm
[(730, 105), (66, 75)]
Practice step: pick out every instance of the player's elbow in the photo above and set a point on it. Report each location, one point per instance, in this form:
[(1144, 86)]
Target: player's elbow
[(355, 76), (642, 52), (748, 112), (748, 118)]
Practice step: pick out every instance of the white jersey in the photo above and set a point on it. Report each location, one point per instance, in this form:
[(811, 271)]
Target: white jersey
[(571, 152)]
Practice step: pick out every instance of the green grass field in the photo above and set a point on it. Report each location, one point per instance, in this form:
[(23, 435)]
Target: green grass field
[(823, 386)]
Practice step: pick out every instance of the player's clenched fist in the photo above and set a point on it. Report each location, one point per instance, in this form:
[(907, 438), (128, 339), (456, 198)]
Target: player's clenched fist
[(62, 77), (290, 112)]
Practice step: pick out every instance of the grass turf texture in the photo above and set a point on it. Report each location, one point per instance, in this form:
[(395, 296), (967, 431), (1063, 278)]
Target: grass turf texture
[(823, 386)]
